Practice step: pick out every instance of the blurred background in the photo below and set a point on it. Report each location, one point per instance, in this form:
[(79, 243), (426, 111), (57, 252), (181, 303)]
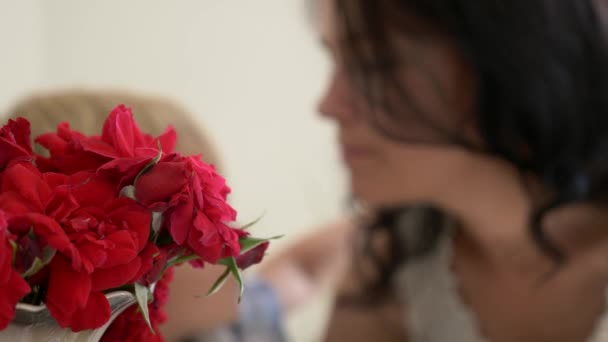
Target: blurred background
[(251, 72)]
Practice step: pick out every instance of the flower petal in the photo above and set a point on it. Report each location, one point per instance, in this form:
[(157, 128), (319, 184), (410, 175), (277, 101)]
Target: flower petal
[(109, 278), (95, 313), (68, 290)]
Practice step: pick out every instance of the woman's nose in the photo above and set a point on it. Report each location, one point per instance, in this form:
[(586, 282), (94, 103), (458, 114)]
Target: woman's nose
[(337, 101)]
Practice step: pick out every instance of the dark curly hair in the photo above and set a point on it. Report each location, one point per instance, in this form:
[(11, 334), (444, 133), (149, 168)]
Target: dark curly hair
[(541, 67)]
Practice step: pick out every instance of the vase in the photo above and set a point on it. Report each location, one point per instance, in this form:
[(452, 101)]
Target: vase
[(34, 323)]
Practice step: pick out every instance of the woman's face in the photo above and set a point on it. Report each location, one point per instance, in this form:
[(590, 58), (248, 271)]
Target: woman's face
[(384, 171)]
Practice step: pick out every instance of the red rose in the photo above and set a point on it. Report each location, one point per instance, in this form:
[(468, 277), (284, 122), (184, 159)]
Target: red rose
[(99, 237), (121, 132), (26, 197), (193, 198), (163, 183), (12, 286), (67, 154), (102, 212), (212, 241), (130, 326), (109, 241), (15, 141), (121, 143), (22, 184), (253, 256)]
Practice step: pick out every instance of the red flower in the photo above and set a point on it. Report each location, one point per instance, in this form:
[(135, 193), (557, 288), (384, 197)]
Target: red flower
[(252, 257), (15, 141), (109, 241), (12, 286), (26, 198), (121, 143), (163, 183), (99, 237), (130, 325), (67, 152), (24, 189), (102, 212), (193, 198), (121, 132)]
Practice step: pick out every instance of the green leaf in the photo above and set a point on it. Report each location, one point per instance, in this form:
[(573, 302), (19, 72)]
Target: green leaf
[(224, 262), (248, 243), (47, 254), (143, 296), (179, 259), (253, 223), (219, 283), (236, 273), (36, 266)]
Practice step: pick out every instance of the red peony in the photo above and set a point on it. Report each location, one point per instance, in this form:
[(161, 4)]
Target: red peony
[(129, 327), (121, 142), (109, 240), (253, 256), (98, 235), (193, 198), (12, 285), (31, 206), (15, 141), (101, 213)]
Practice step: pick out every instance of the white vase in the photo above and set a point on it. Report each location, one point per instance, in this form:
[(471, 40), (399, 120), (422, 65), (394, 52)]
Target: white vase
[(34, 323)]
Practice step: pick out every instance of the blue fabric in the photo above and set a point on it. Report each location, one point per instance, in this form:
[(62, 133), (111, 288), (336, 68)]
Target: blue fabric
[(260, 314), (260, 317)]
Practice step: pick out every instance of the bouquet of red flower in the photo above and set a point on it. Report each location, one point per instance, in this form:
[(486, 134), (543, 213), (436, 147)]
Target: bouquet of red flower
[(109, 212)]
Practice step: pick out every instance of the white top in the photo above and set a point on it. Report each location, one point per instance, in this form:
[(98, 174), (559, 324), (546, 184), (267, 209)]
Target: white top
[(435, 309)]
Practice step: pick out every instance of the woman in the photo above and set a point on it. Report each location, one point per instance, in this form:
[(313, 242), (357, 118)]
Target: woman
[(477, 134)]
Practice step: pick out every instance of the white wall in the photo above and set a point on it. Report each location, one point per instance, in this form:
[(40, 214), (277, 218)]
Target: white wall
[(251, 71), (22, 52)]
